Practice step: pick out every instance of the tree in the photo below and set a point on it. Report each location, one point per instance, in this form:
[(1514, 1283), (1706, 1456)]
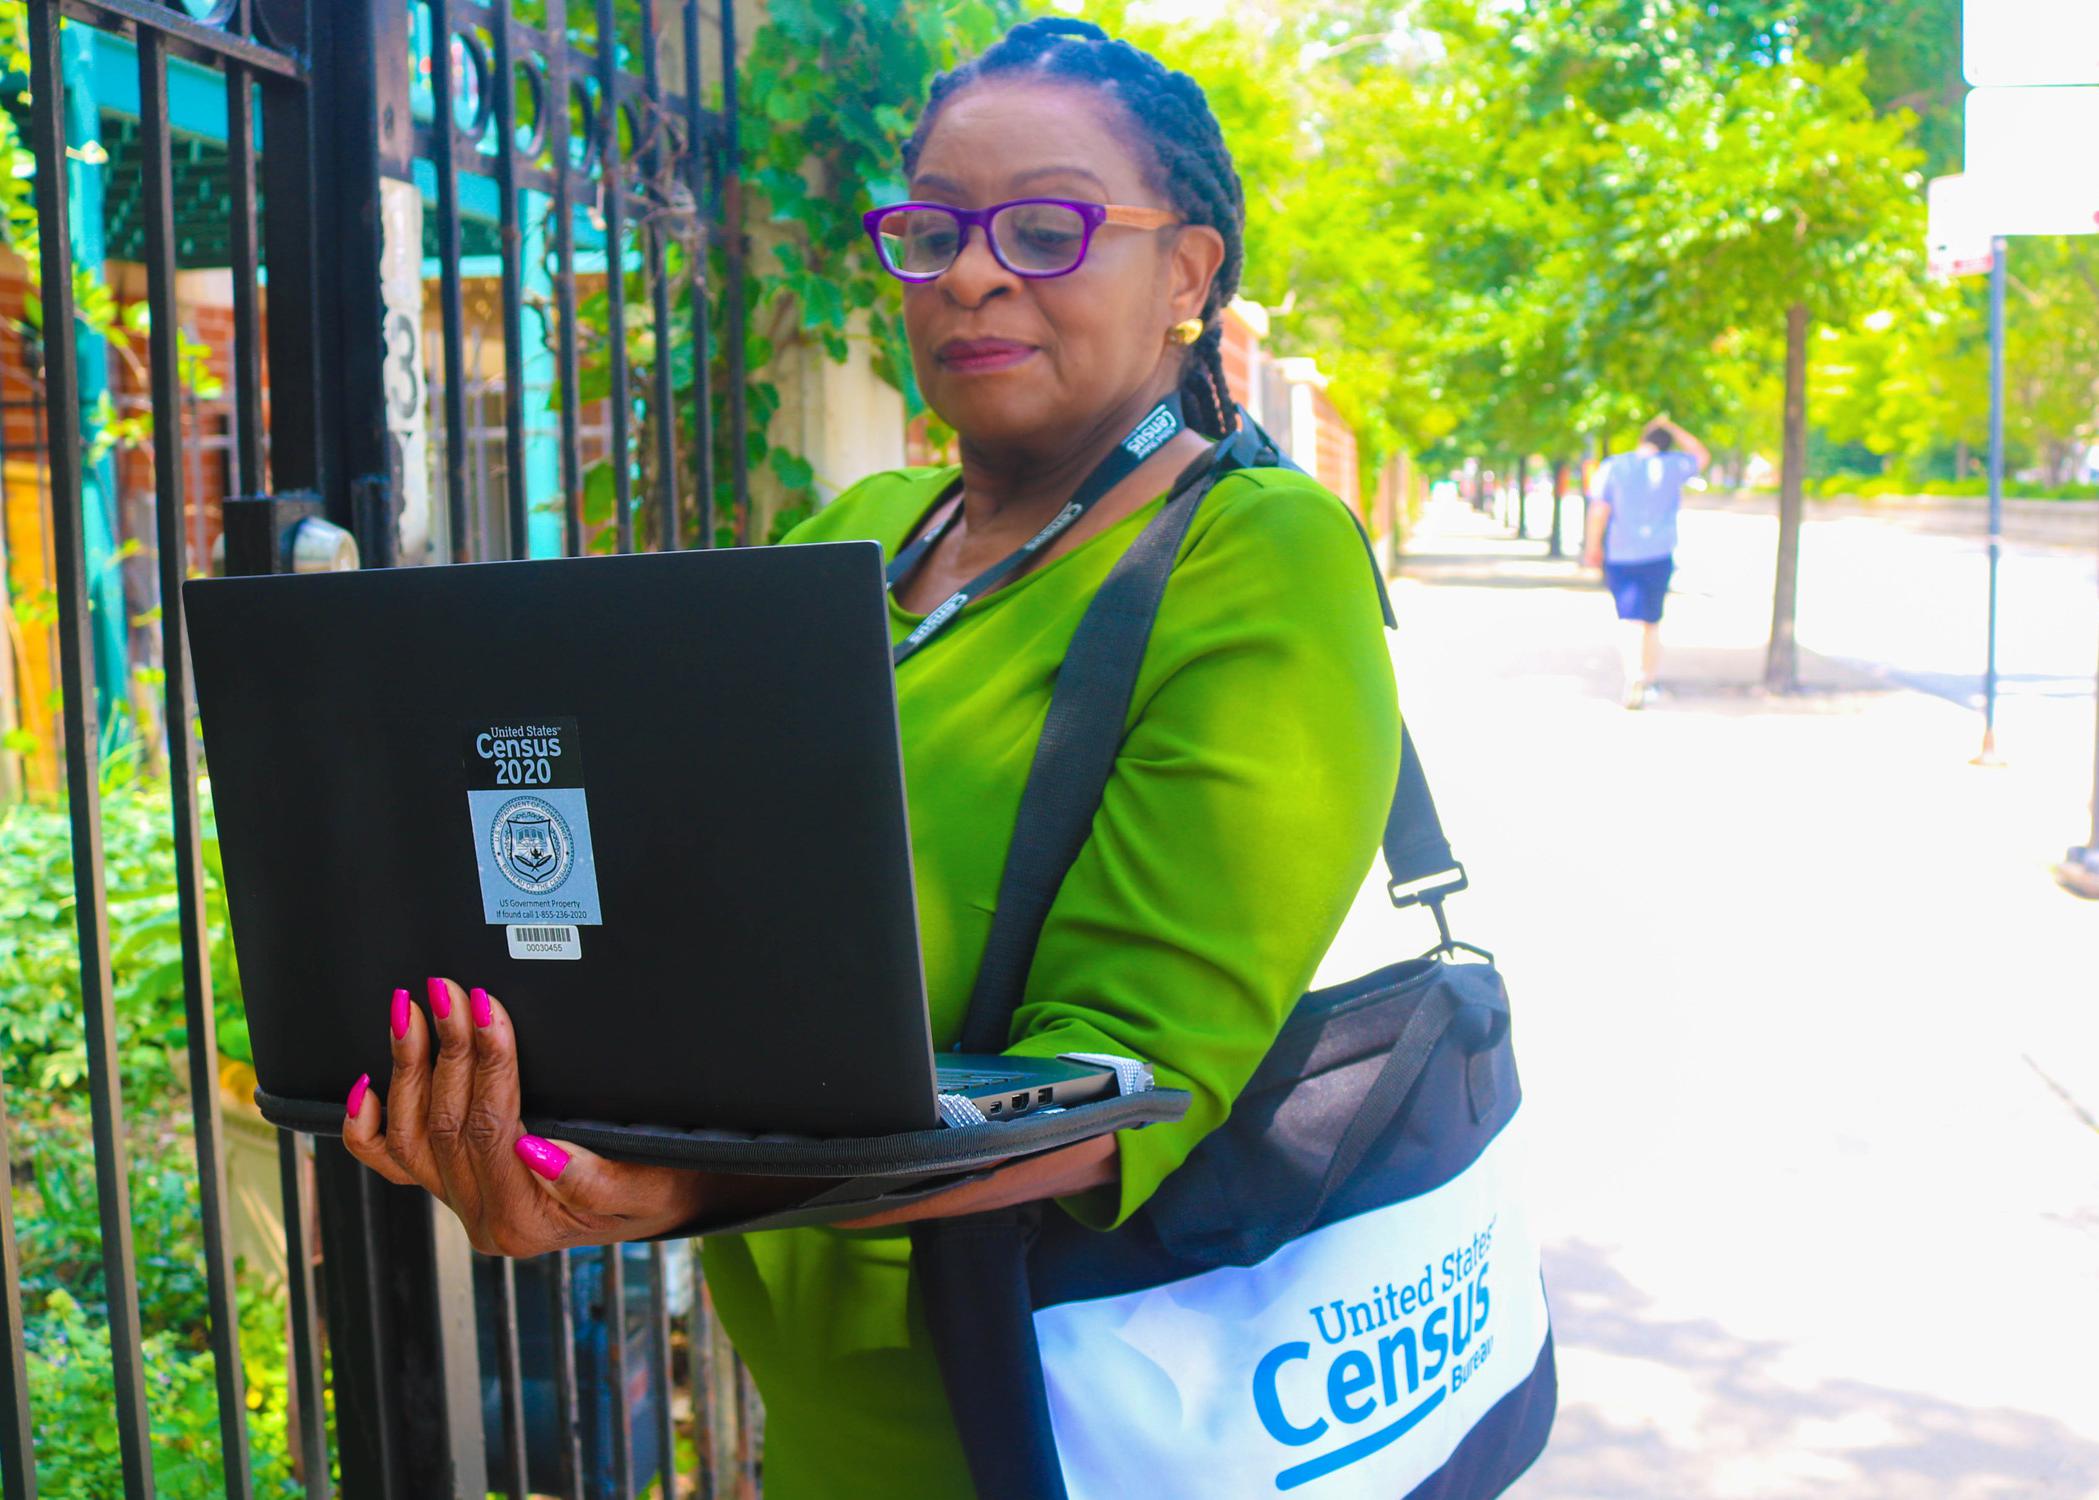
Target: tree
[(1508, 225), (1777, 193)]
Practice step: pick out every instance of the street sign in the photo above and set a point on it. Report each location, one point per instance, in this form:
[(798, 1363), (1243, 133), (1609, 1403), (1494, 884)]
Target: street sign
[(2032, 154), (1957, 237), (2008, 43)]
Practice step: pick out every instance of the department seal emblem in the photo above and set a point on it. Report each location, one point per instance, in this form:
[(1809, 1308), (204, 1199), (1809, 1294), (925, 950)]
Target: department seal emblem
[(531, 845)]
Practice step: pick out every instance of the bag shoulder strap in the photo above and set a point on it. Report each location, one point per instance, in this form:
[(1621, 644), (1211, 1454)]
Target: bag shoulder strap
[(1082, 735)]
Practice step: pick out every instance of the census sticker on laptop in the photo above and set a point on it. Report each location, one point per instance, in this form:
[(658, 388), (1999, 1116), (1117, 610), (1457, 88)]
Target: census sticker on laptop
[(531, 823)]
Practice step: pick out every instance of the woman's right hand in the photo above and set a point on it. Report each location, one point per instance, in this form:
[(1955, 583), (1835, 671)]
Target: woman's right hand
[(450, 1123)]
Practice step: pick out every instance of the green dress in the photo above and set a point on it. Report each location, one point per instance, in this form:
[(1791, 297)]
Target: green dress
[(1241, 820)]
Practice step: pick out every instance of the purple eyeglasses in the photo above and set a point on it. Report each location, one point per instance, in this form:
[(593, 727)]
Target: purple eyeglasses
[(1033, 237)]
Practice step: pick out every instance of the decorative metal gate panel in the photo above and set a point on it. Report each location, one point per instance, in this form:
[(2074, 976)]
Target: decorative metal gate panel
[(571, 162)]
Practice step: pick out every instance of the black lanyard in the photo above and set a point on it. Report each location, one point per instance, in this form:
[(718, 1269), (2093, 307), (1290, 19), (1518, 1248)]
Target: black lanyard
[(1159, 427)]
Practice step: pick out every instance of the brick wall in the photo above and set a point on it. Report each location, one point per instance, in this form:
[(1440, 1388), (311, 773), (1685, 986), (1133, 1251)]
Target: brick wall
[(206, 317), (1240, 346), (1337, 453)]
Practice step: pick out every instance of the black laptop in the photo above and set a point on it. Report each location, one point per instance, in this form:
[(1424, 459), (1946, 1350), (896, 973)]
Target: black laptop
[(655, 804)]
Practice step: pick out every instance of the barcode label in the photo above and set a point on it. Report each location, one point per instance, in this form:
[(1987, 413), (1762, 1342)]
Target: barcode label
[(544, 942)]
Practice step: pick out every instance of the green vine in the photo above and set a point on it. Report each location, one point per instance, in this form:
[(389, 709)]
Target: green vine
[(829, 91)]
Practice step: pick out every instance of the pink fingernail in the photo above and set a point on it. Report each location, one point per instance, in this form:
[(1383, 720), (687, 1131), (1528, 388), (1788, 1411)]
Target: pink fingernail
[(440, 999), (400, 1016), (543, 1157), (357, 1093), (478, 998)]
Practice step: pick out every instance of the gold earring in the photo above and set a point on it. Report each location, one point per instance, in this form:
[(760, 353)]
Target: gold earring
[(1186, 332)]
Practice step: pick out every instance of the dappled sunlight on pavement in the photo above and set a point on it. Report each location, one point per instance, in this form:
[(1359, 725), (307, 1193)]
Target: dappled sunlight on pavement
[(1812, 1040)]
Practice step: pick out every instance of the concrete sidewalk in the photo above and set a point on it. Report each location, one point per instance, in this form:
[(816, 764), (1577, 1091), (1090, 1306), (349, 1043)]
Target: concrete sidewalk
[(2072, 524), (1811, 1040)]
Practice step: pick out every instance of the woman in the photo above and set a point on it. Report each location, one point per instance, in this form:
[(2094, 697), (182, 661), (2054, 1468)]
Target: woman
[(1245, 805)]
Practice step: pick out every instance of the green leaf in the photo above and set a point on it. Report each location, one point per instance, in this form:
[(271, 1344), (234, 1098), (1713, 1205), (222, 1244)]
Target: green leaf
[(792, 469)]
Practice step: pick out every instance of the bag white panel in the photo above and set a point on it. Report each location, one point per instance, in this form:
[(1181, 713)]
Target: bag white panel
[(1251, 1380)]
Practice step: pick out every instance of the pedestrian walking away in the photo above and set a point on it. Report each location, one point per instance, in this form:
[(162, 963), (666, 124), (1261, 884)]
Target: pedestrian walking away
[(1632, 538)]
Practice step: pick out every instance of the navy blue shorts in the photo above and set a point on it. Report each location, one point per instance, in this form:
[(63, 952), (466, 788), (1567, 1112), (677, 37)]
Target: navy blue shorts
[(1638, 588)]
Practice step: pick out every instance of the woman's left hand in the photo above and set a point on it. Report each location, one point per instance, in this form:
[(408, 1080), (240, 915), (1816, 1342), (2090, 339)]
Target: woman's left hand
[(451, 1125)]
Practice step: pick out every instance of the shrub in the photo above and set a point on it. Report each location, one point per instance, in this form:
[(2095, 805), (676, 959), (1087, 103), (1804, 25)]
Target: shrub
[(41, 1045), (76, 1440), (44, 1060)]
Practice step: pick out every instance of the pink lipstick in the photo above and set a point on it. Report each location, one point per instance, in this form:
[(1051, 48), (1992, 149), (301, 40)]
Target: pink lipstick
[(983, 356)]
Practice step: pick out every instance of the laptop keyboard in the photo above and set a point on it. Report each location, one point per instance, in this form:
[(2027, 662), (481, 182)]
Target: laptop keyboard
[(957, 1080)]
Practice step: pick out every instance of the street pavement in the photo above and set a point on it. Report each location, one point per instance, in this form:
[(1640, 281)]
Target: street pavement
[(1810, 1039)]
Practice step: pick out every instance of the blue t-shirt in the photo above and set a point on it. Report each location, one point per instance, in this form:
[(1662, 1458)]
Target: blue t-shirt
[(1643, 491)]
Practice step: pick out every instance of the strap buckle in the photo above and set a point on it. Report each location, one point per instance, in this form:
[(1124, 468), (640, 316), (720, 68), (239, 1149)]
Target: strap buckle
[(1430, 890), (1448, 945)]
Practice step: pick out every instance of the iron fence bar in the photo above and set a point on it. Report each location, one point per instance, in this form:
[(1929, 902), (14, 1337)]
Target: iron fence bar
[(310, 1442), (612, 194), (702, 1376), (569, 1424), (567, 364), (656, 169), (291, 241), (189, 38), (351, 1229), (698, 139), (510, 1380), (164, 354), (733, 267), (17, 1450), (746, 1440), (401, 1319), (451, 297), (82, 743), (513, 290), (614, 1289), (248, 475), (660, 1377)]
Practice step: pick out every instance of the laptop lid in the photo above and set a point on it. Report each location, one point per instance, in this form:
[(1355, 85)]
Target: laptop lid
[(653, 803)]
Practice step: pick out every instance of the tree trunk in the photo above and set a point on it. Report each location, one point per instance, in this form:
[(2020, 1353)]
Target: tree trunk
[(1559, 493), (1782, 662)]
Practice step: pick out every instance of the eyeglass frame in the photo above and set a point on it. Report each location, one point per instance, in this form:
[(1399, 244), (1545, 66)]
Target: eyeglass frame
[(1091, 215)]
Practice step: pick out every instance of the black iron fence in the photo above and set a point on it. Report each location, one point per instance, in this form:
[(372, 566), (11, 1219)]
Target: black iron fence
[(577, 140)]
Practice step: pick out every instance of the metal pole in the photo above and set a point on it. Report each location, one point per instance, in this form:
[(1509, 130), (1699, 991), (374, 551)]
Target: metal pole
[(157, 170), (2091, 850), (17, 1426), (444, 133), (2079, 871), (398, 1272), (612, 188), (72, 565), (732, 230), (1989, 671)]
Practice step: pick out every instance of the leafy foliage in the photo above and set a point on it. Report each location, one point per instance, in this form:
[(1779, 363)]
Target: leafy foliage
[(1521, 225), (39, 973), (44, 1061), (76, 1442)]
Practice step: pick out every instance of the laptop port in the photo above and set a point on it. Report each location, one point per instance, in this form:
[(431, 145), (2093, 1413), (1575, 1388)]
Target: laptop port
[(994, 1107), (1020, 1101), (1042, 1096)]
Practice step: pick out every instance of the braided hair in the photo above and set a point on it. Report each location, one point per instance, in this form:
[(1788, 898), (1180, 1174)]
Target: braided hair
[(1189, 164)]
